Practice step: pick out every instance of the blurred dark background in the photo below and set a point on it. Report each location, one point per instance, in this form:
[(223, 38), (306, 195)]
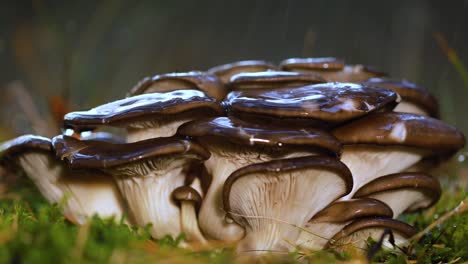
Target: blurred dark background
[(64, 55)]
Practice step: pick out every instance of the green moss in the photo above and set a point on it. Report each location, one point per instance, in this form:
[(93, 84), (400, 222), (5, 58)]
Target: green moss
[(32, 231)]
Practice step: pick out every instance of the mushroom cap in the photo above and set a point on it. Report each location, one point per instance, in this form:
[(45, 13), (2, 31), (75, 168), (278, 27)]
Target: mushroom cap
[(409, 92), (143, 107), (196, 80), (225, 71), (405, 180), (271, 168), (319, 103), (324, 64), (402, 129), (187, 193), (344, 211), (272, 79), (399, 227), (241, 132), (99, 154), (21, 144)]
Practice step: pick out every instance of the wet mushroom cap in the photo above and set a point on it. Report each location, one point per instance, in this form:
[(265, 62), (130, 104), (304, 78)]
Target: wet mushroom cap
[(344, 211), (143, 107), (194, 80), (322, 103), (402, 228), (324, 64), (99, 154), (409, 92), (226, 71), (410, 130), (418, 181), (19, 145), (240, 132), (272, 79), (187, 193), (270, 168)]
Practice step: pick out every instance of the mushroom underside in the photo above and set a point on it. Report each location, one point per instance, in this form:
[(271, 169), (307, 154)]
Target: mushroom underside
[(318, 234), (407, 199), (408, 107), (225, 159), (272, 207), (367, 162)]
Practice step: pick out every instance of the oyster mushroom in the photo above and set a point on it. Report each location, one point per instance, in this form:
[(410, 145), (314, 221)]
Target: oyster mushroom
[(226, 71), (332, 69), (189, 200), (403, 192), (325, 224), (85, 192), (415, 99), (356, 234), (271, 199), (387, 143), (146, 172), (235, 144), (194, 80), (325, 104), (148, 115), (272, 80)]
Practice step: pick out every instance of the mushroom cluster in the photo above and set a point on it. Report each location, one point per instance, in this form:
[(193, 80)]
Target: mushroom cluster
[(310, 153)]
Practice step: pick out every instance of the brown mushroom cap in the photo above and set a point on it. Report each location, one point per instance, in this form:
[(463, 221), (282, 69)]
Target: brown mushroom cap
[(145, 107), (402, 129), (240, 132), (21, 144), (399, 227), (187, 193), (271, 168), (416, 181), (320, 103), (332, 69), (226, 71), (324, 64), (272, 80), (409, 92), (99, 154), (194, 80), (344, 211)]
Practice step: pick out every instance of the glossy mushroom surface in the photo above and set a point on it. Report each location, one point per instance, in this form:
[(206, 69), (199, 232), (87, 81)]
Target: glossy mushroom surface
[(403, 192), (84, 193), (146, 172), (326, 223), (415, 99), (271, 199), (226, 71), (387, 143), (235, 144), (331, 69), (323, 104), (272, 80), (194, 80), (148, 115)]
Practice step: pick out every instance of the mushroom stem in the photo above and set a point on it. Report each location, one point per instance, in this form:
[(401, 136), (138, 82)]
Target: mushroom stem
[(190, 222), (149, 199)]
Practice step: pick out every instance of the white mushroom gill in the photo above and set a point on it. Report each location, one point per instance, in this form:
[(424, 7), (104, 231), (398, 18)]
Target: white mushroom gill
[(402, 199), (271, 207), (147, 187), (189, 222), (154, 129), (318, 234), (224, 160), (367, 162), (407, 107), (84, 196)]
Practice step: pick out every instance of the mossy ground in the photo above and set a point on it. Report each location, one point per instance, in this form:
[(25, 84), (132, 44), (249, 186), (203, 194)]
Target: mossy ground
[(32, 231)]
